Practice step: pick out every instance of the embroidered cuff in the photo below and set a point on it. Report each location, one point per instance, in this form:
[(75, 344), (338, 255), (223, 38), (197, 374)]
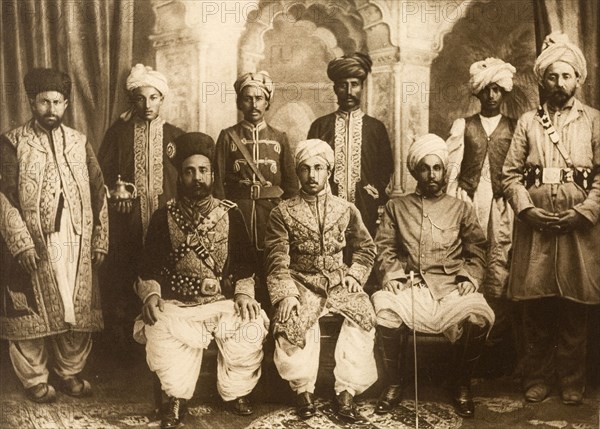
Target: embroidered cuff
[(281, 288), (100, 232), (359, 272), (245, 286), (145, 288)]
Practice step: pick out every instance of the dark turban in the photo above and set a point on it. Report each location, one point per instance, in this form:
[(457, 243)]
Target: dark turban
[(42, 80), (190, 144), (356, 65)]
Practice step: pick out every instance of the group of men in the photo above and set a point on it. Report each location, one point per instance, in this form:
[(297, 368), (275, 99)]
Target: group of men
[(219, 233)]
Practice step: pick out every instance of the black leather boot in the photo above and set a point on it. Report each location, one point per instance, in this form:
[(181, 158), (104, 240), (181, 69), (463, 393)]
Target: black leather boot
[(346, 408), (305, 405), (174, 413), (391, 343), (467, 352)]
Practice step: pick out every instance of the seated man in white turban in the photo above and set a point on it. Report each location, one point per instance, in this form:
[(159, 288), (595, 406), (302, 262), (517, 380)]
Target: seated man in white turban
[(135, 148), (477, 150), (307, 278), (550, 179), (438, 238)]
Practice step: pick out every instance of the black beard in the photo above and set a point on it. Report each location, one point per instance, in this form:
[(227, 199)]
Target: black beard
[(195, 192), (56, 124), (428, 191), (559, 97)]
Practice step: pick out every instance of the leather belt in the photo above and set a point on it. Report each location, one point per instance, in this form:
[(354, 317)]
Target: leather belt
[(536, 175), (255, 191)]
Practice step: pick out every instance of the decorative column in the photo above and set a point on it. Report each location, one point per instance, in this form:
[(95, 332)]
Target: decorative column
[(196, 46), (412, 74), (382, 103)]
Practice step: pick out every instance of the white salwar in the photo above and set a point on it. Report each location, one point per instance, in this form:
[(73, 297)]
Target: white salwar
[(63, 254), (431, 316), (355, 368), (175, 344)]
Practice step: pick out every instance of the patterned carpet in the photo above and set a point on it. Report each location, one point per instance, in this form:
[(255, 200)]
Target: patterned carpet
[(492, 412)]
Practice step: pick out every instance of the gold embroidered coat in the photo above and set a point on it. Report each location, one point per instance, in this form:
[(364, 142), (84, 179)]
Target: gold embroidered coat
[(305, 259), (29, 177)]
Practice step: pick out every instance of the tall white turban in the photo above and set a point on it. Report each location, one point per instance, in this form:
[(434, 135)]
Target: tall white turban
[(429, 144), (491, 70), (144, 76), (314, 147), (557, 47)]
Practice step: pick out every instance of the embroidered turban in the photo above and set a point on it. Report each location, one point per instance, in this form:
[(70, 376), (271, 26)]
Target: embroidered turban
[(261, 80), (314, 147), (190, 144), (356, 65), (144, 76), (42, 80), (429, 144), (557, 47), (491, 70)]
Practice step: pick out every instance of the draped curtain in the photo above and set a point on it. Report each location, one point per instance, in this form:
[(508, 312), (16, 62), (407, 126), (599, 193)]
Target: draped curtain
[(579, 20), (91, 40)]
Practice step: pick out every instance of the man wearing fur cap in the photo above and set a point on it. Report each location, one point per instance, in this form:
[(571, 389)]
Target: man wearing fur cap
[(54, 228), (364, 163), (196, 281), (550, 177)]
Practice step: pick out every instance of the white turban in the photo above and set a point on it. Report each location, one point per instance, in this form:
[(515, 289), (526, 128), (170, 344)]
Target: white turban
[(429, 144), (557, 47), (491, 70), (261, 80), (314, 147), (144, 76)]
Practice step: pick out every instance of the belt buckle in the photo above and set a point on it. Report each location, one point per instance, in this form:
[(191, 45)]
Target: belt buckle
[(210, 287), (255, 191), (551, 175)]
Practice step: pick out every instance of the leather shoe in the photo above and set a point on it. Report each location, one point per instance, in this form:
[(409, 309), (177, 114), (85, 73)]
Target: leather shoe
[(242, 406), (572, 396), (76, 387), (346, 406), (463, 402), (388, 399), (174, 414), (305, 405), (537, 393), (41, 393)]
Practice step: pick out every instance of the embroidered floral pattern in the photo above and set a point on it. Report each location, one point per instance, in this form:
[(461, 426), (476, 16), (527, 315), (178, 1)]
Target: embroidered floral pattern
[(148, 168), (347, 148), (33, 184), (317, 269)]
